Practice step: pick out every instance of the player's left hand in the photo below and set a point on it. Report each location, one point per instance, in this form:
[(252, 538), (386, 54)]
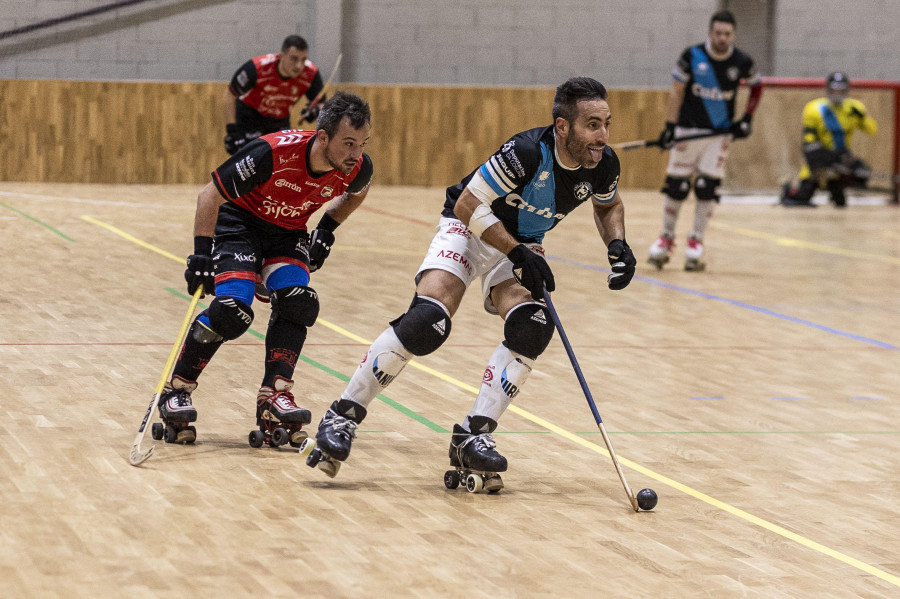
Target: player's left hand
[(320, 243), (742, 128), (856, 112), (309, 115), (622, 261)]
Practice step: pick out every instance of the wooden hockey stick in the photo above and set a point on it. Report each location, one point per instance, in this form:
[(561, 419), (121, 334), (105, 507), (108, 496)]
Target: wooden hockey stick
[(321, 93), (649, 143), (136, 456), (590, 400)]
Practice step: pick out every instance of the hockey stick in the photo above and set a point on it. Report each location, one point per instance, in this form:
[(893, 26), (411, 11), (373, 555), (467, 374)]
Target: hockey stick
[(136, 456), (649, 143), (318, 97), (590, 400)]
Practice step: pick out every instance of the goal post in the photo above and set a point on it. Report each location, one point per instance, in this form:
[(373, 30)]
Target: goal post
[(772, 155)]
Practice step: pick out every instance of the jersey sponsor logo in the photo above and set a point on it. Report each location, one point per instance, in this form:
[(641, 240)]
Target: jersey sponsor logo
[(327, 191), (291, 138), (456, 257), (517, 201), (614, 183), (245, 257), (733, 73), (246, 168), (514, 161), (312, 184), (712, 93), (583, 190), (283, 160), (505, 168), (460, 230), (288, 184), (508, 145), (542, 180), (283, 210)]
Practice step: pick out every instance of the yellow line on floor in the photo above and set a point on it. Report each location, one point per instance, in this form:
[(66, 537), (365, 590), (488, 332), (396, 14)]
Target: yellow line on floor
[(869, 569), (807, 245)]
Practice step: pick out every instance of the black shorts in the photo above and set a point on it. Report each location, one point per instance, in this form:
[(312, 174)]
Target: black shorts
[(244, 245)]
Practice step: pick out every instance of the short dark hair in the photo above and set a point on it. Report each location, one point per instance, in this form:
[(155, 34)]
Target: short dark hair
[(723, 16), (565, 102), (343, 105), (294, 41)]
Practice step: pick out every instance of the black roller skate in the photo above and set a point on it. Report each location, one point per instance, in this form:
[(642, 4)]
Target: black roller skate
[(473, 455), (176, 413), (280, 420), (336, 433)]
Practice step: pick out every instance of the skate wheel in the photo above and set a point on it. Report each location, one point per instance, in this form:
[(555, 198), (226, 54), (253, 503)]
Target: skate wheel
[(157, 431), (314, 457), (279, 437), (297, 438), (187, 435), (330, 467), (256, 438), (171, 434), (474, 483), (451, 479), (306, 447)]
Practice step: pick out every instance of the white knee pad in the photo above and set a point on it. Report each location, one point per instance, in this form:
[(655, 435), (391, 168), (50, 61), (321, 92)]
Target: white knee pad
[(385, 360), (504, 376)]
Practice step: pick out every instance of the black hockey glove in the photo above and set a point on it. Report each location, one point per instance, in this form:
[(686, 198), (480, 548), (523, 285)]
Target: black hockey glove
[(742, 128), (622, 261), (309, 115), (667, 136), (234, 138), (531, 271), (320, 243), (200, 267)]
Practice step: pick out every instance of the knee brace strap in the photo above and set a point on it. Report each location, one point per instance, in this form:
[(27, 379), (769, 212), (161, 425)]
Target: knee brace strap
[(706, 188), (528, 329), (677, 188), (228, 317), (296, 304), (424, 327)]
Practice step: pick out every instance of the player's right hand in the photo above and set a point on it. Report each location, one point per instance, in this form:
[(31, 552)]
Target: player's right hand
[(200, 269), (234, 138), (667, 136), (320, 243), (531, 271)]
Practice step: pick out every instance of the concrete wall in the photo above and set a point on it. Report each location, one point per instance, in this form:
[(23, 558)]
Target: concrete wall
[(624, 43)]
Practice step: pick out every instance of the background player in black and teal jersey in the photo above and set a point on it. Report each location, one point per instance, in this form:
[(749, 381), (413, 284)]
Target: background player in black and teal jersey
[(828, 127), (706, 81), (491, 227)]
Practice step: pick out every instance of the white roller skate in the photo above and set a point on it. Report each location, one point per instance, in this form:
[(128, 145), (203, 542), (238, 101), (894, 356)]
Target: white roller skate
[(693, 255), (661, 251)]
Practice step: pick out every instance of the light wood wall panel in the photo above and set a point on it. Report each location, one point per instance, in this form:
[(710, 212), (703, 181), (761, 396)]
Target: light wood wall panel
[(162, 132)]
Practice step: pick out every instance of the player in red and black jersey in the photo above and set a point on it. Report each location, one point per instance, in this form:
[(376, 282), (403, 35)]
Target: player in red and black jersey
[(263, 91), (250, 230)]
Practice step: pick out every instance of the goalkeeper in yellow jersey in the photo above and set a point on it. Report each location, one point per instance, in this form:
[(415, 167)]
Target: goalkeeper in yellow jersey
[(828, 126)]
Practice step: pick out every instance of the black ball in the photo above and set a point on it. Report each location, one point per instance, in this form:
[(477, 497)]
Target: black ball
[(646, 499)]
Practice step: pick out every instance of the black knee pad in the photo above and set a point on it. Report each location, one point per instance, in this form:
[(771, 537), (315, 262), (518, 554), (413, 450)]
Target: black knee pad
[(676, 188), (528, 329), (423, 328), (706, 188), (229, 317), (296, 304)]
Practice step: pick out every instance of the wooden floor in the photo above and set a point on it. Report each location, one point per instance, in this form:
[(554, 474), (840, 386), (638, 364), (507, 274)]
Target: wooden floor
[(759, 399)]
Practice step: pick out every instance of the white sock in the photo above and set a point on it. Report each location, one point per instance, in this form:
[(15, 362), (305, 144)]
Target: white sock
[(505, 374), (702, 213), (670, 216), (383, 362)]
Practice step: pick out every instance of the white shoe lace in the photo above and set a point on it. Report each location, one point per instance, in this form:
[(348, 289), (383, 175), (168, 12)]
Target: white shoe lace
[(341, 425)]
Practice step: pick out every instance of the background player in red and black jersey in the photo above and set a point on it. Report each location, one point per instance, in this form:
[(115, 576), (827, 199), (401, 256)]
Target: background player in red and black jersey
[(706, 80), (250, 228), (263, 91)]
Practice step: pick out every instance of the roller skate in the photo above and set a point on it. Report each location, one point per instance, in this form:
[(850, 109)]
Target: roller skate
[(280, 420), (474, 458), (176, 413), (693, 255), (336, 433), (661, 251)]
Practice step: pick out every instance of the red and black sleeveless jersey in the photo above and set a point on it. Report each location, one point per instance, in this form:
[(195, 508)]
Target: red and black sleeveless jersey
[(270, 178), (258, 85)]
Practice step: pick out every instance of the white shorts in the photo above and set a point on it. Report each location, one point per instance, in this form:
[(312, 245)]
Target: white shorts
[(704, 156), (457, 250)]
